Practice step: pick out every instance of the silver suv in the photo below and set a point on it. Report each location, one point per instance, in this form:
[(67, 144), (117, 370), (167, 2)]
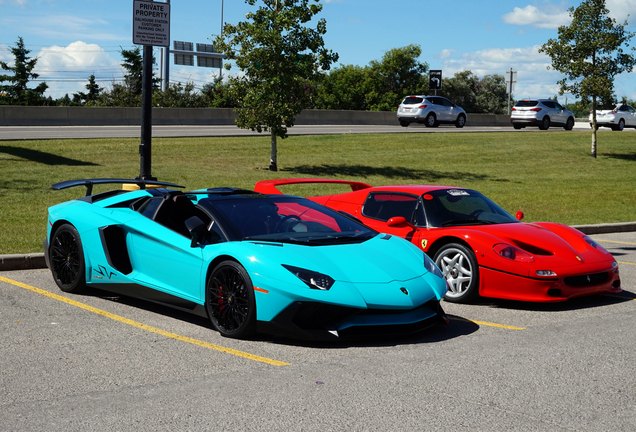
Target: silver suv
[(430, 110), (541, 112)]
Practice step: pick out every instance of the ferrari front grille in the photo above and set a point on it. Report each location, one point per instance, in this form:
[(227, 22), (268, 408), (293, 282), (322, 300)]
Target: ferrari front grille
[(586, 280)]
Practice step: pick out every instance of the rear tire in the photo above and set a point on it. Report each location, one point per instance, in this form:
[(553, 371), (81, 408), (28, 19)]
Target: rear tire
[(67, 259), (545, 123), (620, 126), (430, 120), (404, 123)]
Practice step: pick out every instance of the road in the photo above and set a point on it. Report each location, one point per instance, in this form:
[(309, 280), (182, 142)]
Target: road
[(105, 363), (87, 132)]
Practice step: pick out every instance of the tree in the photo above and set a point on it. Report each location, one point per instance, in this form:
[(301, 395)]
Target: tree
[(17, 92), (398, 74), (277, 54), (93, 92), (345, 88), (480, 96), (589, 52)]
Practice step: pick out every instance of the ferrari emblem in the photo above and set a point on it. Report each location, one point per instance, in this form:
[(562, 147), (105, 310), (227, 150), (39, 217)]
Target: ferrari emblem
[(424, 243)]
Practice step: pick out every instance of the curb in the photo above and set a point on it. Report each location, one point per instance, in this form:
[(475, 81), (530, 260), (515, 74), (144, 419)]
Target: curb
[(36, 260), (22, 262)]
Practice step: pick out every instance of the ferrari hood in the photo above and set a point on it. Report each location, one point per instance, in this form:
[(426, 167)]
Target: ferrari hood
[(559, 244)]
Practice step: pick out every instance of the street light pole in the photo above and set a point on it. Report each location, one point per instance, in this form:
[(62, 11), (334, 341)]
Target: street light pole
[(221, 34)]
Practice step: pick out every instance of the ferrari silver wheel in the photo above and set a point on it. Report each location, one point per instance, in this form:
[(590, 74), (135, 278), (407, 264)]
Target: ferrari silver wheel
[(459, 266)]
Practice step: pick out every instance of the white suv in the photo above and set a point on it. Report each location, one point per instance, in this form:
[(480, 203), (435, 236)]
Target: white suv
[(541, 112), (430, 110)]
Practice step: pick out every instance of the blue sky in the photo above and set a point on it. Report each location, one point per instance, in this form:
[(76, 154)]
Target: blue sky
[(74, 38)]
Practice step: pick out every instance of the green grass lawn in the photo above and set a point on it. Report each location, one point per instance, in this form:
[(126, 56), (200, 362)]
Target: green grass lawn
[(549, 176)]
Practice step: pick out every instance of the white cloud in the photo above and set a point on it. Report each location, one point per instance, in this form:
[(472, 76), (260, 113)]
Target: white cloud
[(446, 53), (533, 77), (67, 69), (548, 17), (619, 9)]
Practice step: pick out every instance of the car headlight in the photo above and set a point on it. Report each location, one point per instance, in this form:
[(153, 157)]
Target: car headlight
[(313, 279), (595, 245), (512, 253), (431, 266)]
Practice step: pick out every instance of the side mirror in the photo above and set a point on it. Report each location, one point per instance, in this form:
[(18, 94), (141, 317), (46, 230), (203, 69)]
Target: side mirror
[(399, 221), (520, 215), (197, 230)]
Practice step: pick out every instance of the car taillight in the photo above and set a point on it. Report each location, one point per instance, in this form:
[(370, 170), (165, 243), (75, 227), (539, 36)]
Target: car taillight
[(512, 253), (613, 112), (535, 109), (422, 106), (514, 109)]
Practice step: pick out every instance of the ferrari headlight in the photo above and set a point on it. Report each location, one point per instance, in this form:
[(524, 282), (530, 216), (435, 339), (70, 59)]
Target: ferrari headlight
[(595, 245), (431, 266), (545, 273), (512, 253), (313, 279)]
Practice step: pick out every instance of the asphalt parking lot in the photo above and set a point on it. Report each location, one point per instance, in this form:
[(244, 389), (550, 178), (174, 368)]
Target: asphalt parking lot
[(102, 362)]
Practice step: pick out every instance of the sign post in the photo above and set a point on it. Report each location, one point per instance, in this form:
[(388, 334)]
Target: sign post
[(151, 26)]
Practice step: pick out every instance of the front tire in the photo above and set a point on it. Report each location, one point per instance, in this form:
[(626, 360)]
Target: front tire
[(230, 300), (459, 266), (461, 121), (569, 125), (67, 259)]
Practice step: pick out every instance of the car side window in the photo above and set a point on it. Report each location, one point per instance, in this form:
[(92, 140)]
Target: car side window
[(549, 104), (557, 106), (149, 208), (385, 205)]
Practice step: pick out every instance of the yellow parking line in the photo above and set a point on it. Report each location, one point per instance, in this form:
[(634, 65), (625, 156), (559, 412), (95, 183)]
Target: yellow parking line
[(622, 262), (612, 241), (144, 326), (490, 324)]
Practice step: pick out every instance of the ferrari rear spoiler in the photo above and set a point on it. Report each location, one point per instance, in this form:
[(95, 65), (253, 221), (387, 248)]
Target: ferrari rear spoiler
[(271, 186), (90, 182)]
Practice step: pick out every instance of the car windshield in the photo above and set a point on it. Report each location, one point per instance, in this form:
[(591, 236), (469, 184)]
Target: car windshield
[(455, 207), (288, 219)]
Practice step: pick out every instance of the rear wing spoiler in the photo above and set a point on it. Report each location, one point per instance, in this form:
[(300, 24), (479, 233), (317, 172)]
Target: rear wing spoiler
[(142, 184), (271, 186)]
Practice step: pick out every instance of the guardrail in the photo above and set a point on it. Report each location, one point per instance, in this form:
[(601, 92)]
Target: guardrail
[(11, 115)]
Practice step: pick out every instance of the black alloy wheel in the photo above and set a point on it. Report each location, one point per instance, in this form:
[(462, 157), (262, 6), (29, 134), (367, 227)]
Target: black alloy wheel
[(230, 300), (67, 259)]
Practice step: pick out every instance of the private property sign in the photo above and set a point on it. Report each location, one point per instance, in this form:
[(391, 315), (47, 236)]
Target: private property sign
[(151, 23)]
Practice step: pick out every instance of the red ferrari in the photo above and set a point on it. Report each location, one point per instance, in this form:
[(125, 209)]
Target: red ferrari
[(481, 249)]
